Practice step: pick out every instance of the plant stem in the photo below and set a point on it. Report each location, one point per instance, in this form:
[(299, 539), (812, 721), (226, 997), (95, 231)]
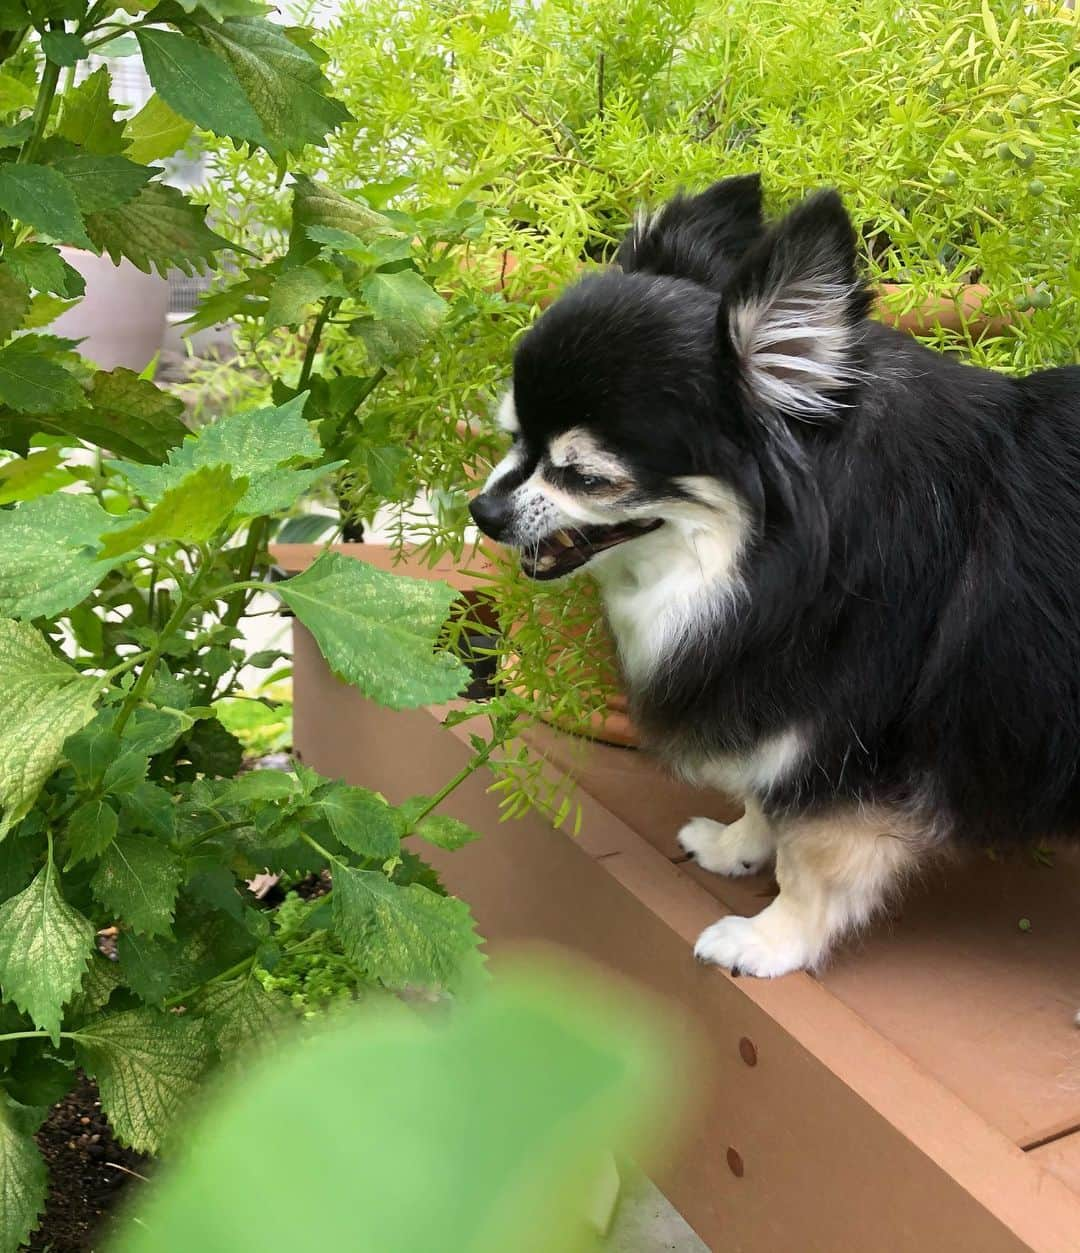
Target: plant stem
[(186, 845), (253, 545), (312, 843), (42, 107), (183, 608), (469, 768), (328, 309), (247, 963)]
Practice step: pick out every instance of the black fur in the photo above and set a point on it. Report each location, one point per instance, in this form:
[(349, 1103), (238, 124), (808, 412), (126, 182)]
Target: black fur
[(911, 590)]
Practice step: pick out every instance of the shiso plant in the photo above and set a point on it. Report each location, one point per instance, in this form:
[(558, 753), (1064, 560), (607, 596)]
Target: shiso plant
[(130, 551)]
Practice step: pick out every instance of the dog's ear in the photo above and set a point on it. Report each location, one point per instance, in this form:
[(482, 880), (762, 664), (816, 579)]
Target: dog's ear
[(697, 237), (792, 316)]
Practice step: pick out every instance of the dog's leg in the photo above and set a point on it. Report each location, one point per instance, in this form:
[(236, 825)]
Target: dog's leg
[(834, 872), (731, 848)]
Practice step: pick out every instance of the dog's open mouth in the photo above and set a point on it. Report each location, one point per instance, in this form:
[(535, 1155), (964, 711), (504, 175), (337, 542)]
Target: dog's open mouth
[(566, 551)]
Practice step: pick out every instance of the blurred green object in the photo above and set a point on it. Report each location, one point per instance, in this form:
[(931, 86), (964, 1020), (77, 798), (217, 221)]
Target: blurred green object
[(485, 1129)]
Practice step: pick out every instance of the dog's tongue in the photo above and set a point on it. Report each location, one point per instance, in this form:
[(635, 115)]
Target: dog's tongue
[(561, 553)]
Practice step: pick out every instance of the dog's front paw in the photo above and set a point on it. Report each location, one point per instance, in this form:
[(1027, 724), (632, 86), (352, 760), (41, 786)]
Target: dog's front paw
[(734, 848), (762, 946)]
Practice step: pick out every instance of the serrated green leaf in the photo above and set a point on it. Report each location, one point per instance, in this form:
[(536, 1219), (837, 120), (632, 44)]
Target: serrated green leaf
[(401, 936), (31, 382), (86, 116), (103, 182), (446, 832), (199, 84), (14, 301), (360, 820), (50, 554), (316, 204), (23, 1182), (405, 306), (378, 631), (156, 131), (295, 291), (14, 93), (44, 310), (63, 47), (240, 1014), (20, 856), (42, 267), (147, 807), (258, 785), (257, 445), (161, 229), (90, 830), (43, 198), (192, 512), (136, 419), (147, 1065), (212, 750), (147, 965), (26, 478), (99, 983), (284, 85), (45, 700), (44, 947), (138, 879)]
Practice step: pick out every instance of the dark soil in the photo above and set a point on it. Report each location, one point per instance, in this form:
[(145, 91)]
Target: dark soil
[(85, 1179)]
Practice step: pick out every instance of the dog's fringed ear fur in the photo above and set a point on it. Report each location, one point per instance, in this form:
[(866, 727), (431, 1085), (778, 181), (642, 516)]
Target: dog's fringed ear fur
[(793, 314), (697, 237)]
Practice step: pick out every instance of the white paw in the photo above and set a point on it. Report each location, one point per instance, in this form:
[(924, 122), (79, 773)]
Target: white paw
[(762, 946), (735, 848)]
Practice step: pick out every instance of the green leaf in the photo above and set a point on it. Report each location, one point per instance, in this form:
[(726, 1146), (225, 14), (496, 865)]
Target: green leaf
[(199, 85), (147, 1065), (19, 858), (192, 512), (103, 182), (90, 831), (14, 301), (30, 382), (508, 1112), (156, 131), (50, 555), (14, 93), (446, 832), (360, 820), (136, 418), (212, 750), (257, 445), (401, 936), (294, 292), (44, 947), (42, 267), (27, 478), (285, 86), (147, 965), (63, 47), (138, 879), (258, 785), (147, 807), (378, 631), (86, 116), (405, 306), (45, 700), (316, 204), (99, 983), (22, 1181), (41, 197), (241, 1013), (160, 228)]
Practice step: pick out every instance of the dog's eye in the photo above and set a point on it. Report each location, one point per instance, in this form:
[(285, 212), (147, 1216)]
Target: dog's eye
[(585, 480)]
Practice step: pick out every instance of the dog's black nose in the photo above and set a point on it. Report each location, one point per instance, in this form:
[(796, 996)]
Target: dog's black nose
[(491, 513)]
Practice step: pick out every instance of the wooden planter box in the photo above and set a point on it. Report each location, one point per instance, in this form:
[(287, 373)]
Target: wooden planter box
[(923, 1094)]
